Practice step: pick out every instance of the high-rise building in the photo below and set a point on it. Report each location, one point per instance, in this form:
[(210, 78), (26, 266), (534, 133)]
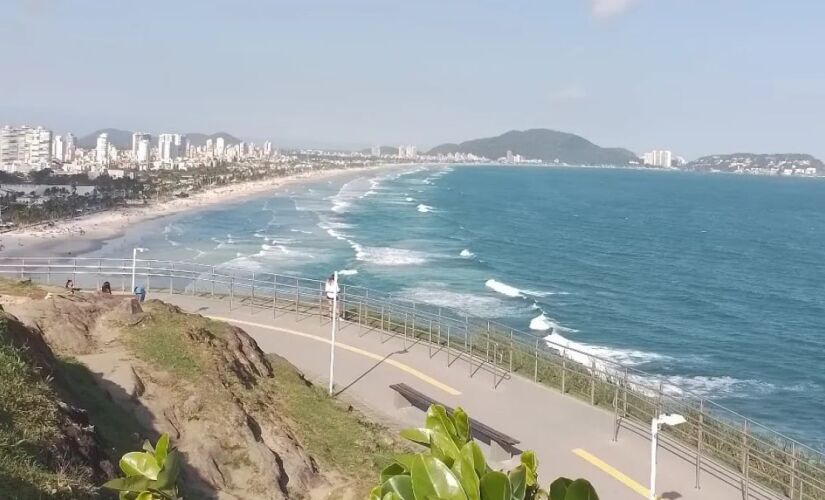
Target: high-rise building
[(68, 154), (137, 137), (658, 158), (39, 147), (144, 151), (220, 147), (210, 148), (376, 151), (410, 152), (58, 148), (181, 146), (268, 148), (102, 149), (171, 147), (12, 147)]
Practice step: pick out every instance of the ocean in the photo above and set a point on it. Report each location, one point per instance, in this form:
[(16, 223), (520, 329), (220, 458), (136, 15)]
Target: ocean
[(710, 282)]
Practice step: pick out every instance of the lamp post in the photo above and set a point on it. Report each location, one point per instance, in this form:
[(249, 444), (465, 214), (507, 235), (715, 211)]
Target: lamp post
[(333, 290), (134, 262), (671, 419)]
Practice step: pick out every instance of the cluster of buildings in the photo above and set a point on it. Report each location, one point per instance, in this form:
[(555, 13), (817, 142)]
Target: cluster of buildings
[(24, 149), (32, 148)]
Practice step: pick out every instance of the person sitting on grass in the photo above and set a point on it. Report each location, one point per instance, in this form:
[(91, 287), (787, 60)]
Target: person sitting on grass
[(70, 287), (106, 288)]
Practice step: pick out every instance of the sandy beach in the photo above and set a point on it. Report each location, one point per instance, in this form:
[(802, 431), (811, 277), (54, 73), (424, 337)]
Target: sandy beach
[(82, 234)]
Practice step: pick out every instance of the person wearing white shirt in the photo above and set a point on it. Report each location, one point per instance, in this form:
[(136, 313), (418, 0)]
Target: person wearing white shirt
[(331, 291)]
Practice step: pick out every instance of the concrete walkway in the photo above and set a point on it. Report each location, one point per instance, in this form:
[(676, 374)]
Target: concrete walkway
[(570, 437)]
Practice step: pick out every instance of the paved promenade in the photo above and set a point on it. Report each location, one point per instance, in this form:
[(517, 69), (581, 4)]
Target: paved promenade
[(570, 437)]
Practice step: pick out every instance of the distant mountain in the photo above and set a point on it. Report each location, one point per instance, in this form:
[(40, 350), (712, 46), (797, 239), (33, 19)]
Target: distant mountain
[(122, 139), (197, 139), (752, 162), (541, 144)]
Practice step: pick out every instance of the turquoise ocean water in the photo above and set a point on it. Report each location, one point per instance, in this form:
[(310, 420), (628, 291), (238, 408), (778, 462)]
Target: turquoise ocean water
[(712, 282)]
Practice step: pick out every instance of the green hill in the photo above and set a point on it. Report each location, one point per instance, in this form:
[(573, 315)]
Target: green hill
[(542, 144)]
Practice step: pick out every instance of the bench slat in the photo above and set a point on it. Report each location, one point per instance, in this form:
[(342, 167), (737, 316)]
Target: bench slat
[(483, 431)]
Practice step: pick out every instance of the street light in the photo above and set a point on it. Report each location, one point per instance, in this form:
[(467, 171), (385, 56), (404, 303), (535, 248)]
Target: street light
[(671, 419), (333, 290), (134, 261)]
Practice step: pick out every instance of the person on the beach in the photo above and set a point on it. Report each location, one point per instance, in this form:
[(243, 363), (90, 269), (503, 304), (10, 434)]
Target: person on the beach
[(140, 293), (331, 291), (106, 288)]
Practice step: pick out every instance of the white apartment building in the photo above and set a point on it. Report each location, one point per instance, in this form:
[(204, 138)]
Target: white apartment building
[(658, 158), (58, 148), (102, 149), (171, 147), (268, 148), (144, 150), (376, 151), (69, 148), (220, 147), (25, 148), (137, 137)]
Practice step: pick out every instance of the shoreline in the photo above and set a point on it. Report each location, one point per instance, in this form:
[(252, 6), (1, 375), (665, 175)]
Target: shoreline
[(87, 233)]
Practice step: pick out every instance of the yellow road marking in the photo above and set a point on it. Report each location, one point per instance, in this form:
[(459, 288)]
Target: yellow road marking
[(401, 366), (612, 471)]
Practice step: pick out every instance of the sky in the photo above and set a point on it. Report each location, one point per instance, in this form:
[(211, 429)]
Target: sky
[(694, 76)]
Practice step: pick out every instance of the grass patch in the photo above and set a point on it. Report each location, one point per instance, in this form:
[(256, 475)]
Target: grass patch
[(21, 288), (29, 424), (161, 339), (332, 432)]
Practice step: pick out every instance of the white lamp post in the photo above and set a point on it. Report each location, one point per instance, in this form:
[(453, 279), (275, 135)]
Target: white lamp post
[(671, 419), (134, 262), (334, 325)]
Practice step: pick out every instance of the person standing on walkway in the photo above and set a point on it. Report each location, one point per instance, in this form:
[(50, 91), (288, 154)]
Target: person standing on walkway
[(140, 293), (331, 290)]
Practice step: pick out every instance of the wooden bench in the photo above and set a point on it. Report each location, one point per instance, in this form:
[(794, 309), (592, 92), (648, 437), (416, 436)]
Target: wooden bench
[(502, 446)]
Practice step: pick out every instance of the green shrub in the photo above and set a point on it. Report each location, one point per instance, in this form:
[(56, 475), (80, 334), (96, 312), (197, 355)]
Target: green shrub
[(454, 468), (151, 474)]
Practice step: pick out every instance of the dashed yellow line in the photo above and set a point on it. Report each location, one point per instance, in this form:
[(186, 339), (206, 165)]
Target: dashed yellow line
[(397, 364), (614, 472)]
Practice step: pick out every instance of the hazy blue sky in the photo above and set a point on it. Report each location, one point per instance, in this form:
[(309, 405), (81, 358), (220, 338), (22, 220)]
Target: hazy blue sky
[(696, 76)]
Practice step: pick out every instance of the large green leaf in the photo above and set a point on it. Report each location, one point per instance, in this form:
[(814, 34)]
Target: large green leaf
[(400, 485), (466, 474), (518, 482), (417, 435), (405, 459), (581, 489), (144, 496), (134, 483), (375, 493), (462, 426), (138, 463), (390, 496), (162, 449), (479, 462), (495, 486), (394, 469), (432, 479), (168, 475), (529, 460), (558, 488), (437, 419), (443, 447)]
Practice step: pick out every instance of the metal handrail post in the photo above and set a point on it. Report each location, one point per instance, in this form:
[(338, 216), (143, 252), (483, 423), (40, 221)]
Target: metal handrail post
[(171, 273), (297, 294), (252, 301), (406, 317), (510, 370), (22, 267), (97, 278), (564, 372), (74, 271), (700, 438), (592, 381), (274, 295), (495, 350), (616, 414), (624, 409), (430, 339), (49, 272), (746, 459), (212, 279), (487, 347), (536, 366), (448, 345), (231, 291), (320, 305)]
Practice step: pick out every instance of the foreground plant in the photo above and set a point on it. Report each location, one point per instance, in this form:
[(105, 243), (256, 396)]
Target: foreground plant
[(454, 468), (151, 474)]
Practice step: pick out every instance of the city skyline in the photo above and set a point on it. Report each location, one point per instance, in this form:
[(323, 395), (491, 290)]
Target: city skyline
[(695, 78)]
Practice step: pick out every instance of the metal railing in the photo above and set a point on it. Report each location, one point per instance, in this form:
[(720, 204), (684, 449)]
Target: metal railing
[(763, 462)]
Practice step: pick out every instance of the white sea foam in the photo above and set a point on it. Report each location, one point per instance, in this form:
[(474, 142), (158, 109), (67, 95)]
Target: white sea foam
[(301, 231), (541, 323), (348, 272), (467, 254), (386, 256), (587, 354), (503, 288), (408, 198), (424, 208), (437, 294)]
